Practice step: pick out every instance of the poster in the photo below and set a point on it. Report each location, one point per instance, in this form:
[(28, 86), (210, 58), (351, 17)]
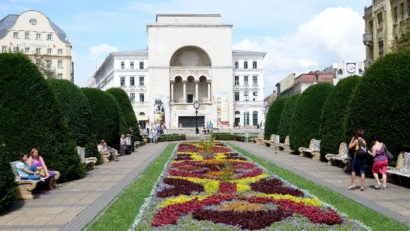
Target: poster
[(222, 109)]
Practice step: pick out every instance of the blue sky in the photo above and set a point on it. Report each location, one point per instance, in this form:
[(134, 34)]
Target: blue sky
[(298, 35)]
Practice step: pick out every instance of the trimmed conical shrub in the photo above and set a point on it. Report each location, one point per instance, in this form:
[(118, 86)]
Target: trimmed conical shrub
[(305, 123), (106, 118), (273, 117), (76, 111), (286, 116), (334, 113), (125, 104), (380, 104), (30, 118)]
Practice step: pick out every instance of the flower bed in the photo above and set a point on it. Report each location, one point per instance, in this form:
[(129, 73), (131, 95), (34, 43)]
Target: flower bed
[(222, 190)]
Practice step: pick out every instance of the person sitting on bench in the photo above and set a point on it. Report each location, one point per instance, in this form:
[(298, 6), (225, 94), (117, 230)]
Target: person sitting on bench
[(27, 172)]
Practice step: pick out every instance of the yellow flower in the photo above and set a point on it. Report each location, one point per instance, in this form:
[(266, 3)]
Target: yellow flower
[(210, 186), (242, 187), (306, 201), (250, 180), (181, 199)]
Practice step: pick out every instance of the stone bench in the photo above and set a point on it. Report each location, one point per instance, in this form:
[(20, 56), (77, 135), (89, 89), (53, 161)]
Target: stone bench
[(90, 162), (24, 187), (402, 167), (284, 146), (273, 141), (313, 151), (342, 156)]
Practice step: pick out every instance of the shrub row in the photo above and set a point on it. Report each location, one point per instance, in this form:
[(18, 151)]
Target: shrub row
[(171, 137), (229, 136), (377, 102)]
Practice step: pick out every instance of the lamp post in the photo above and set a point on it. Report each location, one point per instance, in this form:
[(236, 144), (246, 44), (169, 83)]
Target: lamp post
[(196, 106)]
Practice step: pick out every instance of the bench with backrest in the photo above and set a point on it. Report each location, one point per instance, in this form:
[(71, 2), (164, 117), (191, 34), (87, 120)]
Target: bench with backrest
[(24, 187), (402, 167), (284, 146), (312, 151), (342, 156), (274, 141), (90, 162)]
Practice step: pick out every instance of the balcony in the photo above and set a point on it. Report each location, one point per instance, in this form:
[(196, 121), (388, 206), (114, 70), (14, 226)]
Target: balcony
[(368, 39)]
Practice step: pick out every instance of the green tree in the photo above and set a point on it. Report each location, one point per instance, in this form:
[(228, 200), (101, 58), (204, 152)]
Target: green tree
[(76, 111), (30, 118), (286, 116), (333, 115), (305, 123), (273, 117), (380, 103)]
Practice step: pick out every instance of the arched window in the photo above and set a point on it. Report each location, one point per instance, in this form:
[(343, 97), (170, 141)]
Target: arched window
[(255, 118)]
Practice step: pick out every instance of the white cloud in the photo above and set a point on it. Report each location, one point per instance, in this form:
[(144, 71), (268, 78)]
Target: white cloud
[(86, 65), (333, 35)]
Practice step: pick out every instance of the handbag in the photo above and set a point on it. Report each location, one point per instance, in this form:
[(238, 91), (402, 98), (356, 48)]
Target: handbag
[(390, 156)]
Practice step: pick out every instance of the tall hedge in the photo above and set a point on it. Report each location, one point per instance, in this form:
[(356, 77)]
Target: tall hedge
[(305, 123), (125, 104), (273, 117), (105, 116), (76, 111), (333, 115), (7, 186), (30, 118), (286, 116), (380, 104)]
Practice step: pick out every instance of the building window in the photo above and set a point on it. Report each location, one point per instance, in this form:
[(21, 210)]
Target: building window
[(245, 80), (132, 65), (38, 36), (141, 97), (236, 81), (255, 94), (132, 80), (402, 11), (245, 64), (246, 95), (246, 118), (236, 96), (255, 65), (60, 51), (27, 50), (48, 64), (3, 48), (255, 80), (381, 47), (141, 65), (59, 64), (16, 35), (122, 65), (16, 49), (190, 98), (141, 81), (255, 118), (132, 97), (49, 37), (38, 50), (33, 21), (122, 81), (48, 50), (59, 76), (236, 64), (27, 35), (408, 8), (380, 19)]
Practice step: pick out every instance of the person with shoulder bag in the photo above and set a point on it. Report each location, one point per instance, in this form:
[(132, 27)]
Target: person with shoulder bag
[(379, 152), (358, 145)]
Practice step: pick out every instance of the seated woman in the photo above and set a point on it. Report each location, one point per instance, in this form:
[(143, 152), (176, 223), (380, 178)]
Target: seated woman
[(38, 161), (124, 147), (104, 148), (27, 172)]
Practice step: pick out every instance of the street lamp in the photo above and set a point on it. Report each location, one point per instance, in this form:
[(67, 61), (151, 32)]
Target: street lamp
[(196, 106)]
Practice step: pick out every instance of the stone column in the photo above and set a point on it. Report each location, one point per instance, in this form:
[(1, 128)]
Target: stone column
[(184, 92), (196, 91), (172, 92), (209, 91)]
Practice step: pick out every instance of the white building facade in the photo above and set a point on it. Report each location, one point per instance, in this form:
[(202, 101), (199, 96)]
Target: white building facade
[(189, 58), (34, 34), (345, 69)]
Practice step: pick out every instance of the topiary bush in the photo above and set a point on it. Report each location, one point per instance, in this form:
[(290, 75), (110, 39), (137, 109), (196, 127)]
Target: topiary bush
[(380, 104), (273, 117), (286, 116), (333, 115), (125, 104), (76, 111), (30, 118), (305, 123), (7, 186), (106, 116)]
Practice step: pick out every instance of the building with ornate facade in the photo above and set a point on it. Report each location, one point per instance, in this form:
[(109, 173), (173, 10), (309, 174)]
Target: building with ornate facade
[(385, 21), (189, 58), (34, 34)]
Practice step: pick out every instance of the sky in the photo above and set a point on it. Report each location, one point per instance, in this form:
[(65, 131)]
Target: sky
[(298, 35)]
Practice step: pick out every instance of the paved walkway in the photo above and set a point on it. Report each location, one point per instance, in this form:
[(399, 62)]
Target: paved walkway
[(393, 202), (72, 205)]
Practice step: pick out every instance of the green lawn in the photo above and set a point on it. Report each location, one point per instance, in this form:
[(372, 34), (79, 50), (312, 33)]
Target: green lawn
[(121, 213), (369, 217)]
